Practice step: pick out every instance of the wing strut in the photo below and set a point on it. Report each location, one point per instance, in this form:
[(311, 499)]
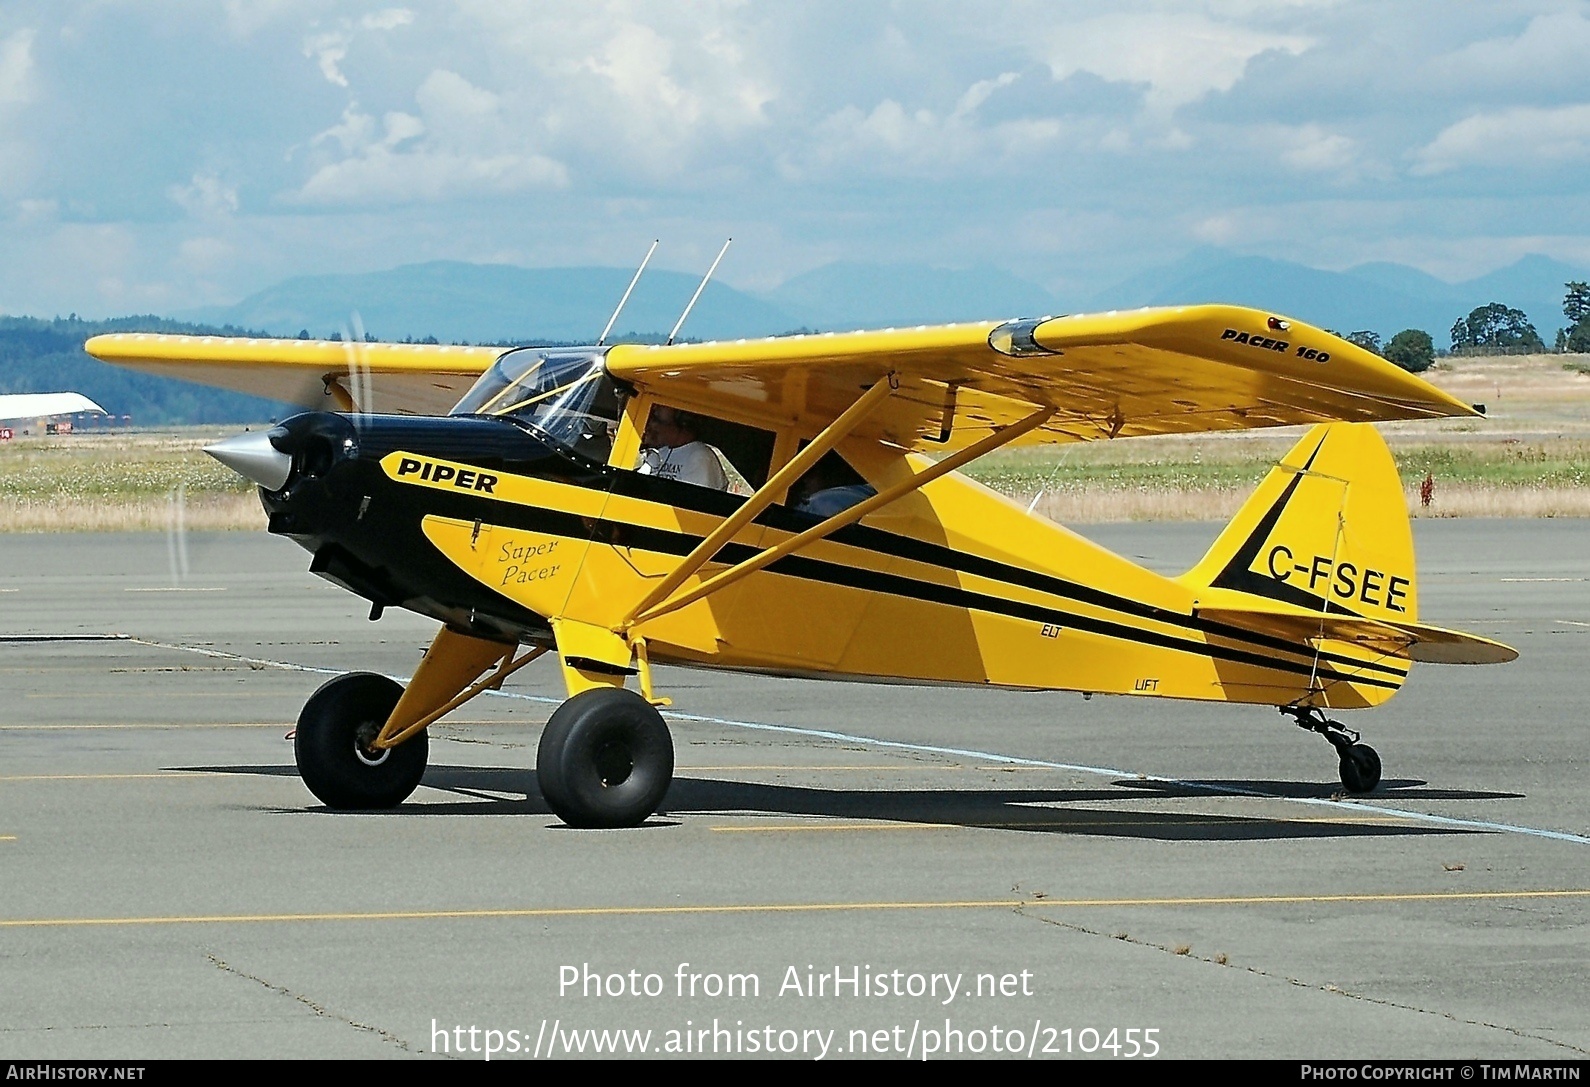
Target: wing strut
[(798, 465), (839, 520)]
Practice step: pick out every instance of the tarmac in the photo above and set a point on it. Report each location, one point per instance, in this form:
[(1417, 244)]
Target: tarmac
[(840, 870)]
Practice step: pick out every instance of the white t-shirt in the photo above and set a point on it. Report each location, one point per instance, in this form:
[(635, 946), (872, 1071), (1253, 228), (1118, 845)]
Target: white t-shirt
[(694, 462)]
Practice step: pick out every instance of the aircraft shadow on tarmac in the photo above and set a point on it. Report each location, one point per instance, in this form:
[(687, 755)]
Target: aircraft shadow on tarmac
[(1399, 789), (1030, 810)]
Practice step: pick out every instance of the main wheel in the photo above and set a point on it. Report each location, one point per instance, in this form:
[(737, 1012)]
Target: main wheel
[(1360, 768), (332, 745), (605, 759)]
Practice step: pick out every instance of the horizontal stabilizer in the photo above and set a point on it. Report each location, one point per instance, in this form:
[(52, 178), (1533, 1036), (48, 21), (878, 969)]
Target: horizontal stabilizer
[(1416, 641)]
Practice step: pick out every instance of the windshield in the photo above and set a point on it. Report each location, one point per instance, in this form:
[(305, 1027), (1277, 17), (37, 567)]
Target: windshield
[(565, 396)]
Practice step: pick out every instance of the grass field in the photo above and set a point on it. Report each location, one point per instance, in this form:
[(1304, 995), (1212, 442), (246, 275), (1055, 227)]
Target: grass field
[(125, 481), (1208, 478), (1528, 457)]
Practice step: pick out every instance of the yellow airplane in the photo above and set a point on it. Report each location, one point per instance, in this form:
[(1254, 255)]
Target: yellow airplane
[(581, 502)]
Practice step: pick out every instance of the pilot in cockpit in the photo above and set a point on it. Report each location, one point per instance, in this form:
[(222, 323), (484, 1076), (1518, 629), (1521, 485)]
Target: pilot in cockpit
[(671, 450)]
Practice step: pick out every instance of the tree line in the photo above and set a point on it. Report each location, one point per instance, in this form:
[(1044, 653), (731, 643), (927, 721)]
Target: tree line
[(1489, 329)]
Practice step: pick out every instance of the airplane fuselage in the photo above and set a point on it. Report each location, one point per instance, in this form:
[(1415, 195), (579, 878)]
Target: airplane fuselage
[(481, 525)]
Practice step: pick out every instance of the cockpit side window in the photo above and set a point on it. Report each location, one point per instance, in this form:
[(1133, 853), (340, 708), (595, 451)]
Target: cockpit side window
[(831, 486), (564, 396)]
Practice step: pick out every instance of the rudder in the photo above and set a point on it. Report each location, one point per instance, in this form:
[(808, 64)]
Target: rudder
[(1327, 531)]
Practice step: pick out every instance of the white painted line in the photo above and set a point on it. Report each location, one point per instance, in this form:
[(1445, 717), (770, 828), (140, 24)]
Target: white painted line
[(971, 753), (174, 589), (1521, 579)]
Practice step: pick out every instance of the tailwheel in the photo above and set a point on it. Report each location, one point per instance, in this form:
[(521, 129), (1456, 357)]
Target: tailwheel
[(1359, 768), (333, 749), (1358, 764), (605, 759)]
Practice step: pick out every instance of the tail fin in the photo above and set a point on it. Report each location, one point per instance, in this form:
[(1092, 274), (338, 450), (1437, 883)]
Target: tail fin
[(1327, 530), (1323, 551)]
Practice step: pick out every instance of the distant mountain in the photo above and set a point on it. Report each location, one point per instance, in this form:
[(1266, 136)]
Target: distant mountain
[(1534, 284), (845, 296), (456, 301), (484, 303), (1381, 297), (1411, 282), (452, 300)]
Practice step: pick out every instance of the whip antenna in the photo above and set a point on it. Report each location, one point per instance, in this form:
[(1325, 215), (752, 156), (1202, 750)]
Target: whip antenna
[(645, 261), (692, 305)]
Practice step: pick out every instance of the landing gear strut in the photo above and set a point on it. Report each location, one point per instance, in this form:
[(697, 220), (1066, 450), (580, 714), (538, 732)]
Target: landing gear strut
[(1359, 764)]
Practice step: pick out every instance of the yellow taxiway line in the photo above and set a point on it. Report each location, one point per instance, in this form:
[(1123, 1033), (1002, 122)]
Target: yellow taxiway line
[(147, 725), (83, 695), (804, 768), (123, 777), (548, 912), (797, 827)]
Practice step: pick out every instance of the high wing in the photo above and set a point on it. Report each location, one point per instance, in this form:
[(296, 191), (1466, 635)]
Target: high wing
[(1119, 374), (401, 378)]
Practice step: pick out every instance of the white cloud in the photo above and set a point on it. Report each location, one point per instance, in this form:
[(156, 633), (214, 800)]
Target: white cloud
[(245, 18), (354, 131), (1550, 48), (1180, 57), (380, 176), (29, 211), (448, 96), (1315, 151), (662, 102), (1510, 139), (329, 48), (206, 197), (387, 19), (203, 253), (893, 140), (1221, 229), (16, 65), (640, 88), (979, 92), (419, 159), (401, 127)]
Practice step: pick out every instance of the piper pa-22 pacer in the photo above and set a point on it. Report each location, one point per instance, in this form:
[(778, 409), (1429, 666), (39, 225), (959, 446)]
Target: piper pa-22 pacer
[(533, 519)]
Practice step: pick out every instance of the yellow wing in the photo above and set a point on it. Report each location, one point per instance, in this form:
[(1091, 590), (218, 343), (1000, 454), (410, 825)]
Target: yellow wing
[(1150, 371), (407, 379)]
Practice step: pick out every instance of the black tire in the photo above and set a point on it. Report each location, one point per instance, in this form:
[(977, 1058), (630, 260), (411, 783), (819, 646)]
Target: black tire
[(605, 759), (1360, 768), (332, 743)]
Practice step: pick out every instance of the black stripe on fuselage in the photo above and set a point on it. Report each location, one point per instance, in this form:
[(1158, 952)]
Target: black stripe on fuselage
[(644, 488), (665, 541)]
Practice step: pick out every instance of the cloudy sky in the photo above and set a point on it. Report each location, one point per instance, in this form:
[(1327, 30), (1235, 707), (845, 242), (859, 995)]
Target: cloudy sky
[(162, 154)]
